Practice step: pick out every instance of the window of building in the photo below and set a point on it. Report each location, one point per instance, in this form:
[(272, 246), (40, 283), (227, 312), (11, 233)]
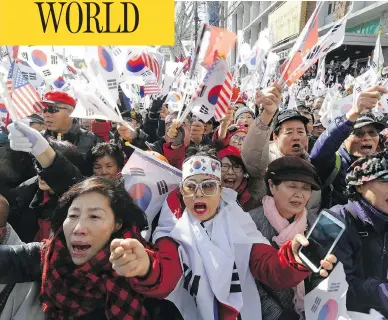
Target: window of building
[(330, 8)]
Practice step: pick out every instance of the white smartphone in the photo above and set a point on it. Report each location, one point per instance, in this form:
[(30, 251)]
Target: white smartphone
[(322, 237)]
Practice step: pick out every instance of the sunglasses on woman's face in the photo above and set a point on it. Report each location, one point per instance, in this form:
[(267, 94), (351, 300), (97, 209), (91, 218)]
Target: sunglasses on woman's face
[(208, 188), (53, 109), (361, 133)]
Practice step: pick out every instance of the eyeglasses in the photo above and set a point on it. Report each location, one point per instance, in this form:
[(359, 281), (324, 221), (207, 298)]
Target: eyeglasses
[(360, 133), (208, 188), (53, 109), (237, 139), (226, 166)]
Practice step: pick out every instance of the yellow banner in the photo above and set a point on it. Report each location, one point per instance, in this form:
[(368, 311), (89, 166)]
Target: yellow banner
[(138, 22), (286, 20)]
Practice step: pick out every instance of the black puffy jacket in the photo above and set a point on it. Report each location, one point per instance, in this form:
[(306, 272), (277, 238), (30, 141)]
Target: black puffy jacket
[(83, 139), (26, 200)]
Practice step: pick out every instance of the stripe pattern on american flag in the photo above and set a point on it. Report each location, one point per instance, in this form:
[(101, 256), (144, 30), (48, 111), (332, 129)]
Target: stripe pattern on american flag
[(151, 88), (224, 98), (25, 99), (152, 64)]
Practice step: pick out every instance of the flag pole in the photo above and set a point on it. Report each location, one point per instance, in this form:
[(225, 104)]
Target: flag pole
[(7, 99)]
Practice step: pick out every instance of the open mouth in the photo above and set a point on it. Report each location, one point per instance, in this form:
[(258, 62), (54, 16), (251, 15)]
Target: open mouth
[(200, 208), (296, 203), (366, 148), (296, 147), (80, 248), (229, 183)]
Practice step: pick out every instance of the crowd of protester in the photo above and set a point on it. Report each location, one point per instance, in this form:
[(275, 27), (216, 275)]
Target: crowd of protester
[(70, 234)]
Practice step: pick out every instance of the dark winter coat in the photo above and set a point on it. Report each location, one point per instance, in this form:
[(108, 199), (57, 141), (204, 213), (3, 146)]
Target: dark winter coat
[(323, 157), (363, 250), (83, 139), (27, 210)]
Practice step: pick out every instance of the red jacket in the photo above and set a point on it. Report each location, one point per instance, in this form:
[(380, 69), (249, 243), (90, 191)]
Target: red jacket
[(274, 268), (174, 157)]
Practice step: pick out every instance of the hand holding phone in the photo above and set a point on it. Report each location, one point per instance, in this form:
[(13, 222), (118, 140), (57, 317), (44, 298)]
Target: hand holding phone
[(322, 237)]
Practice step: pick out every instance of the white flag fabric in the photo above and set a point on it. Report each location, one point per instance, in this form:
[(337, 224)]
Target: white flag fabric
[(292, 102), (91, 106), (204, 103), (330, 41), (30, 74), (259, 51), (217, 253), (346, 64), (102, 72), (328, 299), (174, 101), (172, 72), (378, 58), (363, 82), (271, 68), (148, 181), (45, 62), (319, 87)]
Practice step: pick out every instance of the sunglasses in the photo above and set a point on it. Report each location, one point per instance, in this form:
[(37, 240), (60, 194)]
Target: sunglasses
[(361, 133), (53, 109), (208, 188)]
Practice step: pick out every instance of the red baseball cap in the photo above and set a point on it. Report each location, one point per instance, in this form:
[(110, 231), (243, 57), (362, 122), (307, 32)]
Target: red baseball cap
[(58, 96), (229, 151)]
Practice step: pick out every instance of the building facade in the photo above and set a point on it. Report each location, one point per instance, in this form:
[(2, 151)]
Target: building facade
[(287, 19)]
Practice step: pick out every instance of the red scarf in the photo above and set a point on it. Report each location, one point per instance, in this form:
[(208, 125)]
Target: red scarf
[(243, 193), (69, 291)]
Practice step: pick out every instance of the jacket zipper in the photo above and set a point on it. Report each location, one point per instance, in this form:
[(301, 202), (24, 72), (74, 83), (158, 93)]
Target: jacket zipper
[(383, 258)]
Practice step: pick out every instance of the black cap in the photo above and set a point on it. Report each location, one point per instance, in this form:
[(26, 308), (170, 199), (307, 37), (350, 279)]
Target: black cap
[(367, 120), (292, 168), (290, 114)]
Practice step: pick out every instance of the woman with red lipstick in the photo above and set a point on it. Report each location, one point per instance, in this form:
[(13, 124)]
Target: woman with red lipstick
[(221, 252), (73, 267), (290, 181)]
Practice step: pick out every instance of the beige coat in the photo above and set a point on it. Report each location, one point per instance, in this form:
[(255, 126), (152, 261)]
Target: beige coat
[(258, 152)]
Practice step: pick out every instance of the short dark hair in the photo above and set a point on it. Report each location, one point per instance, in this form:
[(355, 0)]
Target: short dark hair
[(201, 150), (309, 113), (237, 161), (276, 182), (124, 209), (103, 149)]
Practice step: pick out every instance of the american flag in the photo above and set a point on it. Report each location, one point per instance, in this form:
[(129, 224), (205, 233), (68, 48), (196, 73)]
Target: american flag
[(152, 64), (224, 98), (151, 88), (25, 99)]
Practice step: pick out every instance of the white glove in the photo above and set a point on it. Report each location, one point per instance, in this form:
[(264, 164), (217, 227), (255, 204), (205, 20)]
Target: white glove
[(26, 139)]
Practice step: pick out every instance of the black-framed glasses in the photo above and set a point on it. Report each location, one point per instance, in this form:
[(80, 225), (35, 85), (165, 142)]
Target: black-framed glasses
[(53, 109), (359, 133), (226, 166), (209, 188), (237, 139)]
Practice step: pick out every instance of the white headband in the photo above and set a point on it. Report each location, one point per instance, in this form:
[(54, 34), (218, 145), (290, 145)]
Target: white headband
[(201, 165)]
